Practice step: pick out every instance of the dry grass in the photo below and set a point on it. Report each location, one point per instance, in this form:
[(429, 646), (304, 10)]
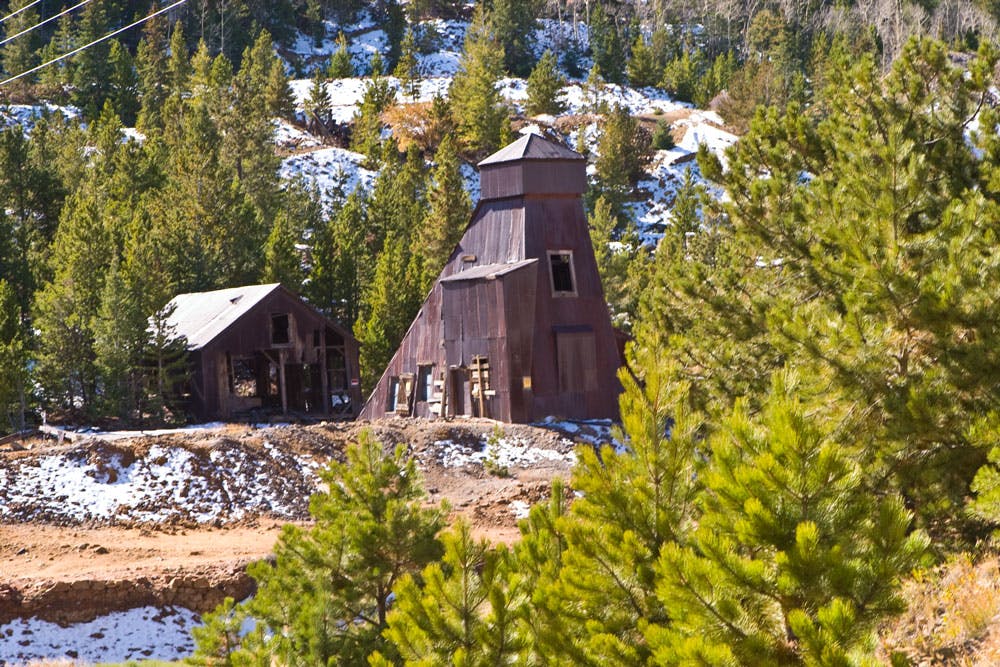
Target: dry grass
[(952, 617)]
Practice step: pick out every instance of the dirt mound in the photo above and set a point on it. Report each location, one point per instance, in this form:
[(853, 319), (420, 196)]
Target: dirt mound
[(96, 526)]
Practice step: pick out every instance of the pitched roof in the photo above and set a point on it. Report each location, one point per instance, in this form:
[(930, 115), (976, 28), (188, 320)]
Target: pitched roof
[(201, 316), (488, 271), (532, 146)]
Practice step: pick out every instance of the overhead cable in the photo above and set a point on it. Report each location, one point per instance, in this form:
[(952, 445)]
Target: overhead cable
[(48, 20), (96, 41)]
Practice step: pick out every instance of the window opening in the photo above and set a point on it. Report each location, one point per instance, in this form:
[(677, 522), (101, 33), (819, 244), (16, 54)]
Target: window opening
[(425, 382), (243, 377), (561, 272), (390, 405), (272, 380), (480, 387), (280, 329), (403, 394)]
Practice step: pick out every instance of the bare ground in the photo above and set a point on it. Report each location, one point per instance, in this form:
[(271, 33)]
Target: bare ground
[(65, 570)]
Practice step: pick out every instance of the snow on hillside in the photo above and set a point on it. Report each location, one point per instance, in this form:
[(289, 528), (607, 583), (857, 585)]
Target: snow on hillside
[(146, 633), (336, 172), (27, 115), (335, 168), (97, 481)]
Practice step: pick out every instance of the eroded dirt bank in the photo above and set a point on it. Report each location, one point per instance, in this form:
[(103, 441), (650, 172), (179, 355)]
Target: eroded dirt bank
[(102, 525)]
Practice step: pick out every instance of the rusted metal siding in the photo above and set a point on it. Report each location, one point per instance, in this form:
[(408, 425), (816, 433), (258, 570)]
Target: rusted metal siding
[(527, 177), (528, 208)]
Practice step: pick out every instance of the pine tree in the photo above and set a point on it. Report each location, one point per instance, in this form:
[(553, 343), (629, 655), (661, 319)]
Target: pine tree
[(398, 196), (867, 317), (151, 67), (319, 105), (794, 560), (14, 373), (449, 210), (616, 249), (280, 99), (379, 95), (326, 598), (544, 86), (607, 45), (514, 22), (247, 130), (682, 75), (643, 69), (597, 587), (393, 19), (340, 62), (460, 612), (219, 641), (120, 338), (391, 301), (124, 89), (92, 67), (54, 77), (624, 149), (342, 262), (282, 261), (65, 307), (479, 111), (407, 70), (20, 54), (594, 88)]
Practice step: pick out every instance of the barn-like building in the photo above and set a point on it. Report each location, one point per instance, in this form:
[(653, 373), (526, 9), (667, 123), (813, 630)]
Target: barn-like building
[(516, 328), (260, 350)]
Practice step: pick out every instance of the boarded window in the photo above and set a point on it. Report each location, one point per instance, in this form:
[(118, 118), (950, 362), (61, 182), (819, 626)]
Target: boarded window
[(400, 390), (280, 329), (577, 360), (405, 391), (561, 272)]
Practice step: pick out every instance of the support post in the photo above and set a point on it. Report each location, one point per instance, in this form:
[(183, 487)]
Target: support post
[(324, 373), (281, 380)]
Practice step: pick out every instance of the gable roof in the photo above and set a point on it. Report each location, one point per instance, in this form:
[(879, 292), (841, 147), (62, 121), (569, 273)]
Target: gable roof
[(201, 316), (532, 146)]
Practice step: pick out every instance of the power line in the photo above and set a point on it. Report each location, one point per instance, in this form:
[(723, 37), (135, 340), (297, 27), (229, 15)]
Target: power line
[(13, 14), (39, 25), (96, 41)]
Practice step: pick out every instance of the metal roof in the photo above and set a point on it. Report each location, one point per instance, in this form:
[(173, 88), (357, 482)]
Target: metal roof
[(532, 146), (488, 271), (201, 316)]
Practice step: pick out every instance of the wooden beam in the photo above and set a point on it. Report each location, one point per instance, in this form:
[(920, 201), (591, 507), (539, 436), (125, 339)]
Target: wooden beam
[(324, 373), (281, 381)]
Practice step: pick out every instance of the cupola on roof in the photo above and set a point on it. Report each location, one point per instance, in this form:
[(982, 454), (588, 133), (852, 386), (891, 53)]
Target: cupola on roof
[(532, 146), (532, 165)]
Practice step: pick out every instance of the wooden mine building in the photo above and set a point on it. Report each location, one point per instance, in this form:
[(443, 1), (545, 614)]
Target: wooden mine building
[(516, 327), (260, 350)]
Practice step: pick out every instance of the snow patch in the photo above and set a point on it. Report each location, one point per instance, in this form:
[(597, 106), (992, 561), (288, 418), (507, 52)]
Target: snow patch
[(503, 452), (145, 633)]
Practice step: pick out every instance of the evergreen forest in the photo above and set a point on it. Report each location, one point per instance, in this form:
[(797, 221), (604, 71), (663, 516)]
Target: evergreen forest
[(811, 414)]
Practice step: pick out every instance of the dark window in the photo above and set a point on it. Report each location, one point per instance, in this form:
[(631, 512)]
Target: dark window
[(390, 404), (561, 271), (315, 337), (425, 383), (280, 330)]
